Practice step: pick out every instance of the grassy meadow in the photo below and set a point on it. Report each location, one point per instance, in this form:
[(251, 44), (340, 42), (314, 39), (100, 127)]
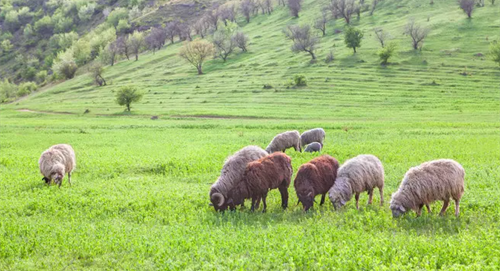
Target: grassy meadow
[(139, 199)]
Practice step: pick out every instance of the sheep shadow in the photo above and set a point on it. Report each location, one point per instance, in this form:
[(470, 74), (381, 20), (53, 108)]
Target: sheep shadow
[(431, 224)]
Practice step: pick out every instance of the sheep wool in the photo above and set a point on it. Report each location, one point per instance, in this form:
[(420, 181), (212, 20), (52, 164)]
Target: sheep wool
[(313, 147), (283, 141), (361, 173), (269, 172), (313, 135), (314, 178), (55, 162), (431, 181), (232, 173)]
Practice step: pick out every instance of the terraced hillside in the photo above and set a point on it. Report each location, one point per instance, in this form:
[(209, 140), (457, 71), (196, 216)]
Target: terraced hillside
[(429, 83)]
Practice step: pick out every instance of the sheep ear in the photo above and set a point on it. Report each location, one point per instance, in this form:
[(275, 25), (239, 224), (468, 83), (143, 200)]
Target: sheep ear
[(343, 202), (210, 204), (402, 208), (310, 194)]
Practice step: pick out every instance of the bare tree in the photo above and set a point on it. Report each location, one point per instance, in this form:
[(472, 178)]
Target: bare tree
[(321, 22), (185, 31), (201, 27), (96, 69), (467, 6), (213, 17), (224, 44), (113, 50), (492, 2), (282, 2), (417, 33), (156, 39), (196, 52), (246, 8), (227, 13), (268, 6), (122, 44), (374, 5), (343, 8), (295, 6), (303, 39), (382, 35), (172, 29), (240, 40)]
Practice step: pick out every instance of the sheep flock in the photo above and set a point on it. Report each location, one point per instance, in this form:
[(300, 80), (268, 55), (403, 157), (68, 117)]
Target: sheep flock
[(252, 172)]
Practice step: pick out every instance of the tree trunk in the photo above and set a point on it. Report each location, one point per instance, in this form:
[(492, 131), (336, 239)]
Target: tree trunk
[(136, 56), (354, 48), (128, 107), (312, 54), (324, 31), (199, 69)]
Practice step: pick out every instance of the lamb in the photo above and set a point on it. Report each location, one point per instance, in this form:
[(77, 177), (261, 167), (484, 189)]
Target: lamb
[(431, 181), (269, 172), (55, 162), (361, 173), (314, 135), (232, 173), (314, 178), (314, 147), (283, 141)]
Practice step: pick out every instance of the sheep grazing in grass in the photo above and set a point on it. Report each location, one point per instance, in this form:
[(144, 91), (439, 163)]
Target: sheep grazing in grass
[(55, 162), (314, 135), (232, 173), (269, 172), (356, 175), (314, 178), (431, 181), (283, 141), (314, 147)]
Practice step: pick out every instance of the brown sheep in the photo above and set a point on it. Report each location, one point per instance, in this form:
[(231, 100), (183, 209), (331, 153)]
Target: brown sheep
[(435, 180), (270, 172), (314, 178)]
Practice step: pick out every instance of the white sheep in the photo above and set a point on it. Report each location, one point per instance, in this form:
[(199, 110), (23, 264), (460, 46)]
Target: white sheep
[(313, 147), (313, 135), (55, 162), (361, 173), (283, 141), (431, 181), (232, 173)]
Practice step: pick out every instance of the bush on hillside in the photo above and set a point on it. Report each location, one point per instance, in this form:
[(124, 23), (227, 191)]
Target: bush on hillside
[(128, 95)]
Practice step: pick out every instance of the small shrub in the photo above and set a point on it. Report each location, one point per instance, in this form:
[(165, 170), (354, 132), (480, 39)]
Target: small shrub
[(127, 95), (26, 89), (385, 53), (267, 86), (329, 58), (300, 80)]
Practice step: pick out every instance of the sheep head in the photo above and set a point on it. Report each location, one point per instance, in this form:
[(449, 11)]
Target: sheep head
[(397, 209), (218, 201), (307, 199)]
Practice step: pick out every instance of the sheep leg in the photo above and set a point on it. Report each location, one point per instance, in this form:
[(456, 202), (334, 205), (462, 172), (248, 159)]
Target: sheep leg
[(254, 199), (264, 202), (419, 210), (322, 199), (381, 190), (457, 207), (428, 208), (370, 196), (69, 178), (357, 201), (284, 195), (445, 206), (257, 203)]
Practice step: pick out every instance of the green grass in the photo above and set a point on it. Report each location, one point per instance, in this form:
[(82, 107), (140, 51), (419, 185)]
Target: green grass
[(139, 199)]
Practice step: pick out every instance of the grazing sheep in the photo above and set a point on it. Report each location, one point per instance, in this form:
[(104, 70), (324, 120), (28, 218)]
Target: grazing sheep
[(232, 173), (269, 172), (314, 147), (435, 180), (55, 162), (361, 173), (283, 141), (314, 135), (314, 178)]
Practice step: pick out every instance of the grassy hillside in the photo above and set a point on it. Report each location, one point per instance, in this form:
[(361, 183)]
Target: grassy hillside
[(139, 199)]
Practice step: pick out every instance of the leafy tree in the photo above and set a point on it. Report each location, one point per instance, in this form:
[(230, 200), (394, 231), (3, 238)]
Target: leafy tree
[(495, 52), (116, 15), (64, 64), (128, 95), (136, 43), (352, 38), (196, 52), (134, 13), (85, 12), (45, 27), (303, 39), (123, 27), (6, 46), (385, 53), (223, 42)]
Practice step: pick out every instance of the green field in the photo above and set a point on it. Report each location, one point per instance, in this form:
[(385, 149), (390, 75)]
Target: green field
[(139, 199)]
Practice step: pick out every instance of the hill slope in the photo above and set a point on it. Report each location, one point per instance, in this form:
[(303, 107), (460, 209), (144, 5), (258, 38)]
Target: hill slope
[(429, 81)]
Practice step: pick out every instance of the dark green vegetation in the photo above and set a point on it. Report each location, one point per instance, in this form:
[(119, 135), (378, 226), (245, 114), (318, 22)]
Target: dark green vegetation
[(139, 198)]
